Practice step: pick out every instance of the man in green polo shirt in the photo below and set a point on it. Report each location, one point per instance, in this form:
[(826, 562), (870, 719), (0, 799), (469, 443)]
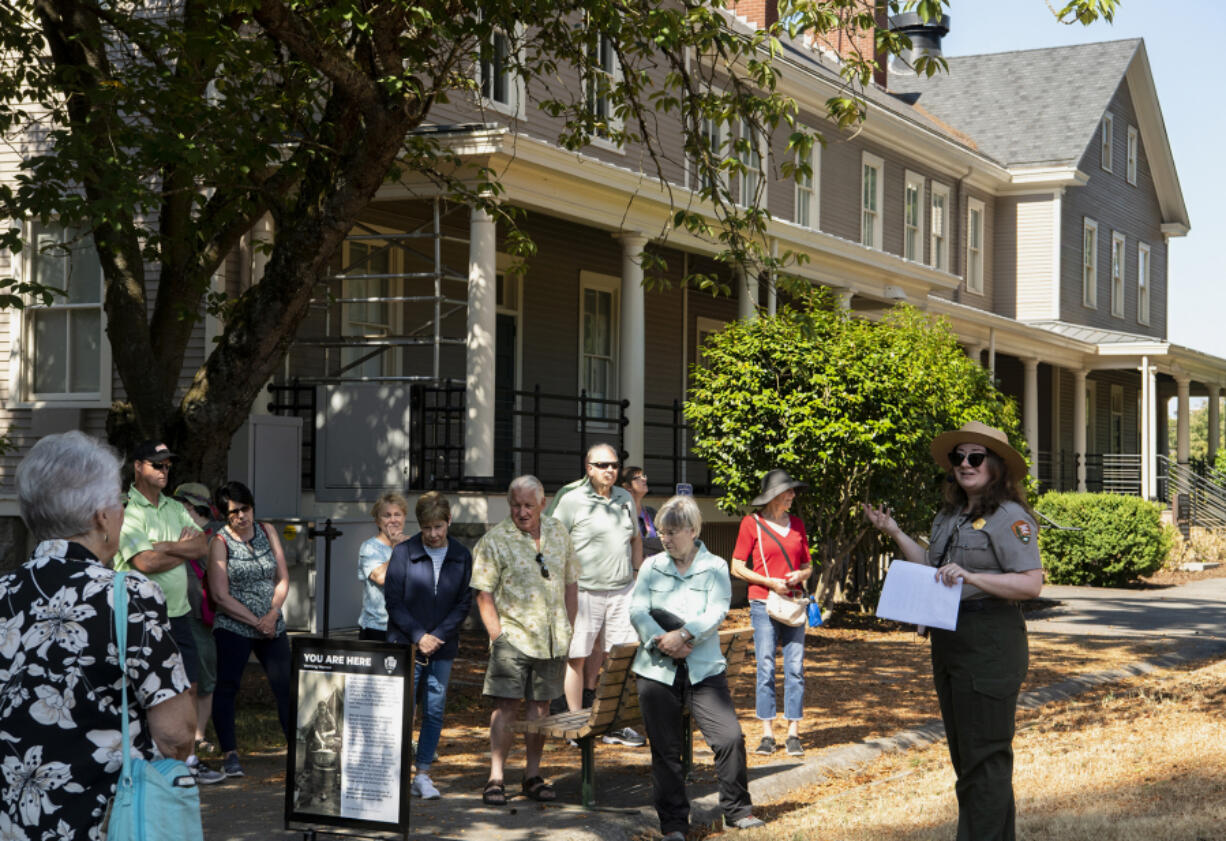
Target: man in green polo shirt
[(601, 519), (157, 538)]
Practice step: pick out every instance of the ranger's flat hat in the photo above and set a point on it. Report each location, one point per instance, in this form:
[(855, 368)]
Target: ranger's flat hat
[(989, 437)]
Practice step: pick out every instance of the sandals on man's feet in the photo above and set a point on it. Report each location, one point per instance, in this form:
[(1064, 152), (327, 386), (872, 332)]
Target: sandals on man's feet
[(494, 794), (539, 790)]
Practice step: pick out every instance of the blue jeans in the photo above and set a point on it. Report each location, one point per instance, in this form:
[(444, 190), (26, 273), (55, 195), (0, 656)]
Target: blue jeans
[(767, 636), (430, 687)]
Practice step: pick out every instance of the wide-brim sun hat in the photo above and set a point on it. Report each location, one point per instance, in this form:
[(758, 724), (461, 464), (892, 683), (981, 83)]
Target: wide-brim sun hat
[(989, 437), (774, 483)]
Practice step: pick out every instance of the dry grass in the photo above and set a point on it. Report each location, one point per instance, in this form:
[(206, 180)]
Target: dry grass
[(1139, 760), (1202, 545)]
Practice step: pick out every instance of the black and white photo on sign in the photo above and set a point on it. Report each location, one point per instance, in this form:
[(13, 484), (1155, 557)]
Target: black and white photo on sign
[(320, 742)]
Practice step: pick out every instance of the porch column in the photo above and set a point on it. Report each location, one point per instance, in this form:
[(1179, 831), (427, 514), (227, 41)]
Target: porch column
[(747, 294), (1215, 422), (772, 286), (1157, 428), (975, 352), (632, 366), (1183, 387), (482, 327), (1030, 411), (1079, 426)]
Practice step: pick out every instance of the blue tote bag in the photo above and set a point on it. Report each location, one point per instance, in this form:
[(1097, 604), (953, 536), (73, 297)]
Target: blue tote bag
[(154, 800)]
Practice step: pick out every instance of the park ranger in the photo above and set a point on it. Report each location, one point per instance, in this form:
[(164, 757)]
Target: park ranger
[(984, 538)]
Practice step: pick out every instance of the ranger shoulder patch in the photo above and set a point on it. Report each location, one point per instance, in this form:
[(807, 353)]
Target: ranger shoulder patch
[(1022, 530)]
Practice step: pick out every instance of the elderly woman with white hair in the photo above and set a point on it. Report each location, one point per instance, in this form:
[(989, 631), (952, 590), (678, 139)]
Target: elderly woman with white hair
[(680, 598), (60, 698)]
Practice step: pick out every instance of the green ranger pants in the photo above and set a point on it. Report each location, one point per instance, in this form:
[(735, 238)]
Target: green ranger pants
[(978, 670)]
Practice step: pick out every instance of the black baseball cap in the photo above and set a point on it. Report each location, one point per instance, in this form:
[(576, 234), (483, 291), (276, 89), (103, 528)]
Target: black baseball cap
[(152, 451)]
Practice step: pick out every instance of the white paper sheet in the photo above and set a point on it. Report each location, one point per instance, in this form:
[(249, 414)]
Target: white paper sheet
[(912, 594)]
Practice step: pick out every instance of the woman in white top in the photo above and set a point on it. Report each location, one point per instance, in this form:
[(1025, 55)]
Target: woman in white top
[(389, 512)]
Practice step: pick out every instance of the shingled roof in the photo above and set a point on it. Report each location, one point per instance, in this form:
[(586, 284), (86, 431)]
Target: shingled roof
[(1026, 107)]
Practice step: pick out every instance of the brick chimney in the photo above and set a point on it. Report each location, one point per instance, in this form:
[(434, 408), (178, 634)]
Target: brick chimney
[(846, 44), (759, 13)]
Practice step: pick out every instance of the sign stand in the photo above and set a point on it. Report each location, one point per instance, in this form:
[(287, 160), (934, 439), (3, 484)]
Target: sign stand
[(350, 753)]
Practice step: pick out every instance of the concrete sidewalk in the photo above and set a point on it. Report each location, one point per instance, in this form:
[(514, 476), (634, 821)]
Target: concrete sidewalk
[(1192, 616)]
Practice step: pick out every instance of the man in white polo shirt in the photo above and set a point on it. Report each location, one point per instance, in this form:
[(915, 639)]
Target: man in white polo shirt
[(600, 517)]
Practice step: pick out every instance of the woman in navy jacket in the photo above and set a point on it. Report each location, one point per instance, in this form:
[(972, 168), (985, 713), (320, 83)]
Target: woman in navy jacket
[(428, 597)]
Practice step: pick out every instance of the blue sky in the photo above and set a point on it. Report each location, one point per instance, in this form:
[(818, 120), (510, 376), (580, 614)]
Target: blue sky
[(1183, 40)]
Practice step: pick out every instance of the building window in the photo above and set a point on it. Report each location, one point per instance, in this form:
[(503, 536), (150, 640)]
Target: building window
[(1118, 244), (605, 74), (1133, 147), (598, 316), (871, 199), (501, 87), (66, 354), (1143, 261), (913, 217), (750, 155), (711, 136), (808, 188), (1117, 418), (974, 246), (1089, 263), (1108, 128), (939, 247), (368, 284)]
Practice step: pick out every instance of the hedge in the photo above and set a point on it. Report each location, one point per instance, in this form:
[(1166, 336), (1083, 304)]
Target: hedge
[(1121, 538)]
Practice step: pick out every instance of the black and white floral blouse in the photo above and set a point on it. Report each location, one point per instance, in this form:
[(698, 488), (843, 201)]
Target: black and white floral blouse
[(60, 690)]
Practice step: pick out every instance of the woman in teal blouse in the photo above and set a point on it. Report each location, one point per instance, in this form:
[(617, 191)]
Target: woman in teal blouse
[(680, 598)]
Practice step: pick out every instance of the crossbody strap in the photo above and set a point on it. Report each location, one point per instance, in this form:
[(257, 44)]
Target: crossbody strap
[(778, 543), (119, 598)]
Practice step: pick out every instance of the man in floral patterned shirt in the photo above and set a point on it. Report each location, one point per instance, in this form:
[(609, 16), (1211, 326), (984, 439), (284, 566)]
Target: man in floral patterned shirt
[(526, 577)]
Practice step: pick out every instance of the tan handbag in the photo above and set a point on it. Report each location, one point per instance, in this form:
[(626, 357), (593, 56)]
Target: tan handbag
[(789, 610)]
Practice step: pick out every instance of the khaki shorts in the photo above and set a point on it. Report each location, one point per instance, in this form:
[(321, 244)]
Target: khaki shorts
[(512, 674), (602, 610)]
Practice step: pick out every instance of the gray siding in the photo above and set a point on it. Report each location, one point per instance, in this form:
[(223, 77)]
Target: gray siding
[(1115, 205)]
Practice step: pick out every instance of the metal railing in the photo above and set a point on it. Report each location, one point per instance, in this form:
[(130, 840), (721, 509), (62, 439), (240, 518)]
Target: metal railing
[(1206, 499), (1057, 471), (673, 461), (1117, 473)]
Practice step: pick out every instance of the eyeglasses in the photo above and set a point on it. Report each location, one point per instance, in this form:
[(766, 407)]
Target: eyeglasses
[(161, 466), (973, 459), (604, 465), (236, 512), (639, 478), (540, 559)]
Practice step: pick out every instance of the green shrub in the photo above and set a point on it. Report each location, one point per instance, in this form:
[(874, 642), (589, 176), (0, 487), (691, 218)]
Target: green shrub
[(1122, 538)]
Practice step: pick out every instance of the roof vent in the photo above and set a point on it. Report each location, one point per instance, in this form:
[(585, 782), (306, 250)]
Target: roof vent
[(925, 39)]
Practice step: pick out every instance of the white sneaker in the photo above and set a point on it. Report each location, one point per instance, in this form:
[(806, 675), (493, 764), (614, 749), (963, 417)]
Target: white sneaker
[(424, 788)]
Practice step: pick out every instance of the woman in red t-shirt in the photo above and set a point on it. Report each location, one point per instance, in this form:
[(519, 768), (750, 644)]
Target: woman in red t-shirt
[(772, 553)]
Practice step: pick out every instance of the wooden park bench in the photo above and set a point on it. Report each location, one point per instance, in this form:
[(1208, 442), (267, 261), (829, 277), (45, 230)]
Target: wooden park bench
[(616, 705)]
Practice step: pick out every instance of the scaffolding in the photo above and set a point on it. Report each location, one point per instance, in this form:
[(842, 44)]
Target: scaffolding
[(421, 252)]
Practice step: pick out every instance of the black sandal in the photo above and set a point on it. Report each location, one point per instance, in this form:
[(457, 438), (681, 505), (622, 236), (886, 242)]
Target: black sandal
[(494, 794), (539, 790)]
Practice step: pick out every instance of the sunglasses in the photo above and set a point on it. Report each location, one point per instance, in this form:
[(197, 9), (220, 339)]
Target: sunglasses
[(604, 465), (540, 559), (162, 466), (973, 459)]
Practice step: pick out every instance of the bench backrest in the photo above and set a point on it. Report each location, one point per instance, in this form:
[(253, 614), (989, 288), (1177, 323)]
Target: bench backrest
[(617, 697)]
